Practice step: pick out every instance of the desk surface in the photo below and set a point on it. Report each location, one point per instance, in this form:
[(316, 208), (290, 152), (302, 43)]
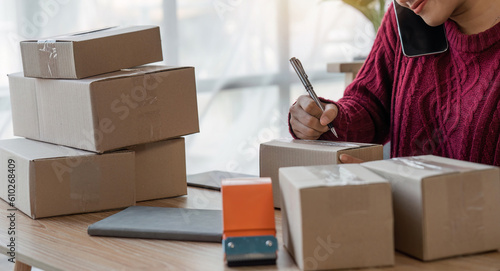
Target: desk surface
[(62, 243)]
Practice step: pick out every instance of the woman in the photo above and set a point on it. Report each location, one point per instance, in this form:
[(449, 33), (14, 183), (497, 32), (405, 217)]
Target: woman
[(446, 104)]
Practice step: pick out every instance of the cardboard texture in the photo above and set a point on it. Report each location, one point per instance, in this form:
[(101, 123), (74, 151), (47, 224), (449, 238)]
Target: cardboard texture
[(336, 217), (52, 180), (160, 169), (292, 152), (107, 112), (443, 207), (84, 54)]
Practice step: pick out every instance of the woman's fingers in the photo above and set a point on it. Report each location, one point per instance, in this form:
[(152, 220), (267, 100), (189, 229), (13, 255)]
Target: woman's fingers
[(305, 118), (303, 131)]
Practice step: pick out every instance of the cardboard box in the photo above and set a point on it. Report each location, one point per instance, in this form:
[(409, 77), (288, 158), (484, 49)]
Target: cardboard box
[(49, 180), (160, 169), (336, 217), (292, 152), (443, 207), (106, 112), (84, 54)]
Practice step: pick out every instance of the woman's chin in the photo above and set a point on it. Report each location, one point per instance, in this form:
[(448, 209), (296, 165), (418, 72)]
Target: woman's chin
[(433, 20)]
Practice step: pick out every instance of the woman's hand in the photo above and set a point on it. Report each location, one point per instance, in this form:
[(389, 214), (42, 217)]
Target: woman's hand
[(307, 120)]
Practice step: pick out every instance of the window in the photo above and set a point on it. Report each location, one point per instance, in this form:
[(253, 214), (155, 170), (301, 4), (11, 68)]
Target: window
[(240, 49)]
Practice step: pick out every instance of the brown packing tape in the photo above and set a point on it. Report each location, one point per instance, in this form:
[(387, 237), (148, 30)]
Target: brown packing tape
[(353, 205), (349, 202), (459, 214), (82, 185), (86, 191), (466, 210), (148, 110), (47, 57), (72, 179)]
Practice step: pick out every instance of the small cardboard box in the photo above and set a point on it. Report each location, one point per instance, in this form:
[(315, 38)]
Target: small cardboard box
[(293, 152), (84, 54), (106, 112), (442, 207), (160, 169), (336, 217), (45, 180)]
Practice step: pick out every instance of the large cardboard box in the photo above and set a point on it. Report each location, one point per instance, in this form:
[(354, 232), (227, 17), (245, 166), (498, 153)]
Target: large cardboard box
[(293, 152), (44, 180), (106, 112), (336, 217), (443, 207), (84, 54), (160, 169)]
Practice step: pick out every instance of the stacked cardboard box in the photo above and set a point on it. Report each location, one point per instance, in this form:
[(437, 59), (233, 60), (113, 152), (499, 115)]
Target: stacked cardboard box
[(46, 180), (125, 121)]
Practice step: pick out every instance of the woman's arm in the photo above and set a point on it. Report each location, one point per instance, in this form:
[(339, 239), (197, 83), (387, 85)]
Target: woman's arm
[(363, 114)]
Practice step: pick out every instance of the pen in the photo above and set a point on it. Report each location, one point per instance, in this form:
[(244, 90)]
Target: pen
[(297, 66)]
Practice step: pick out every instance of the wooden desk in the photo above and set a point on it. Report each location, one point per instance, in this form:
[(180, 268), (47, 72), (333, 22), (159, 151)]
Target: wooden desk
[(350, 69), (62, 243)]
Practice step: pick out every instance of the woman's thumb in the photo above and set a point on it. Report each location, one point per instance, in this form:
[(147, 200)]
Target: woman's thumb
[(329, 114)]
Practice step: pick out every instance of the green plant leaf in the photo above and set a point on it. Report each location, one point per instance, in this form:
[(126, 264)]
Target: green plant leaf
[(373, 10)]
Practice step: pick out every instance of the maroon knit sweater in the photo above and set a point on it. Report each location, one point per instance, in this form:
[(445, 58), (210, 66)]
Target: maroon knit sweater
[(446, 104)]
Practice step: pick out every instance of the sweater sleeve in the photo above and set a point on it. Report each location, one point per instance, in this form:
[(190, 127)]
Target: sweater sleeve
[(364, 110)]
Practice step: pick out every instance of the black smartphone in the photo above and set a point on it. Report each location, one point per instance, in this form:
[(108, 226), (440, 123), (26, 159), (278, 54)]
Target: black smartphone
[(417, 37)]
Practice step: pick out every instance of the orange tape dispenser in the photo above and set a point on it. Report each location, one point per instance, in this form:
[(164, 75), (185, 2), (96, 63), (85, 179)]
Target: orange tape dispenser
[(249, 230)]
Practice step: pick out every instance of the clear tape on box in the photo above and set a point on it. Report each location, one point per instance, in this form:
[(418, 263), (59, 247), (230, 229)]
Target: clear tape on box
[(426, 164), (48, 56)]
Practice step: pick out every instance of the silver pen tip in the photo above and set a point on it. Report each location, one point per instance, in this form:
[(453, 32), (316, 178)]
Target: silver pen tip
[(334, 132)]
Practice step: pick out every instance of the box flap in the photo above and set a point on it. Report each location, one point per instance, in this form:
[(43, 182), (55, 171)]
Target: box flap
[(316, 145), (330, 175), (35, 150), (93, 34)]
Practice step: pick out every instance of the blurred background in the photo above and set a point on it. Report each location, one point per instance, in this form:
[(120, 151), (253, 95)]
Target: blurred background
[(239, 48)]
